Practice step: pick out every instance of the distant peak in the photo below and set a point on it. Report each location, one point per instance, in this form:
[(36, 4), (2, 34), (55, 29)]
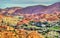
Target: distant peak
[(57, 3)]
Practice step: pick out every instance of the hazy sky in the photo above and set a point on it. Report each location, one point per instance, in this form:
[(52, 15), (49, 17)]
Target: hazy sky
[(25, 3)]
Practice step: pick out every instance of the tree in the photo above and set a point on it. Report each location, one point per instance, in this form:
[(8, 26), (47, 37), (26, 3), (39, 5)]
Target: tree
[(34, 34)]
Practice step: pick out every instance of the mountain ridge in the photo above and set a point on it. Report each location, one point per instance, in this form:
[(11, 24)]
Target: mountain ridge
[(38, 9)]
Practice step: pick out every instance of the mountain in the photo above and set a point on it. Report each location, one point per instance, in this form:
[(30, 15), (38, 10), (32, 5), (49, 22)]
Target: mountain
[(40, 9), (9, 10), (31, 9), (54, 8)]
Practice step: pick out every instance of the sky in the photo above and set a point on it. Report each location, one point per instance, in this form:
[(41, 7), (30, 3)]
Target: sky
[(25, 3)]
